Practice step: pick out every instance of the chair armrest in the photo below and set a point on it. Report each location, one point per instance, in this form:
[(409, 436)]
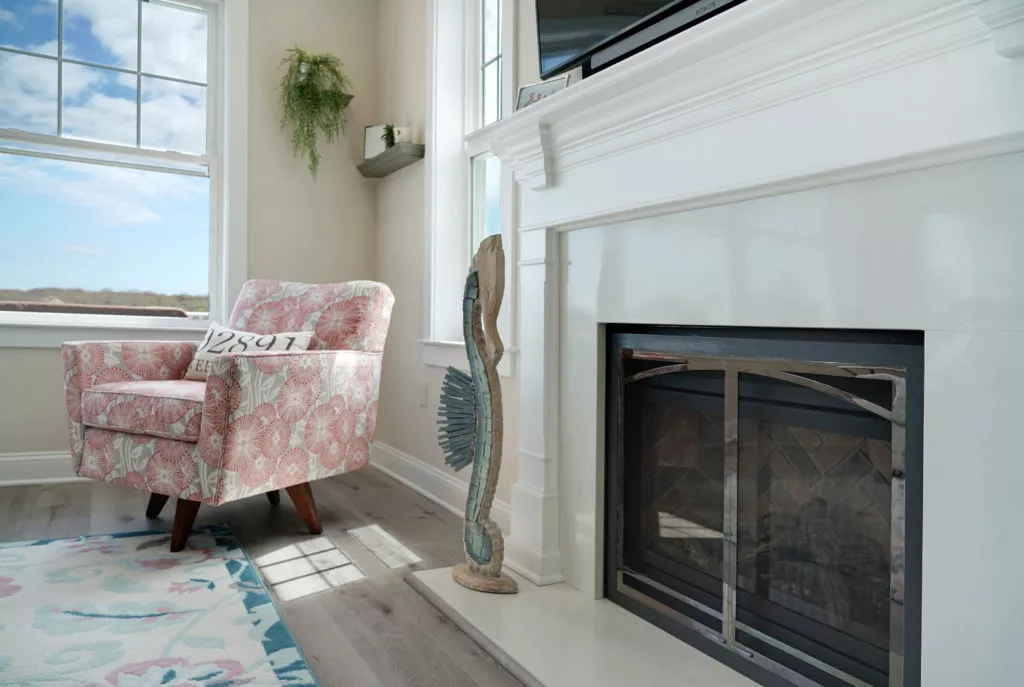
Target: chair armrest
[(88, 363), (286, 418)]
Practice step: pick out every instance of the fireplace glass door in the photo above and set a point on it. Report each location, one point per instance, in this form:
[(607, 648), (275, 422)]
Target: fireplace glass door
[(761, 503)]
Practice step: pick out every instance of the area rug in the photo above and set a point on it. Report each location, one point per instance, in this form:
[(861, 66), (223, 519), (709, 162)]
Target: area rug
[(121, 610)]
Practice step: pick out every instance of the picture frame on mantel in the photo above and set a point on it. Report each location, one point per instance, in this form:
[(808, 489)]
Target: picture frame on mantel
[(534, 93)]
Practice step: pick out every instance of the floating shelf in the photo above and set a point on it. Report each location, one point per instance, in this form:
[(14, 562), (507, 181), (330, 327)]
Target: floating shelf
[(391, 160)]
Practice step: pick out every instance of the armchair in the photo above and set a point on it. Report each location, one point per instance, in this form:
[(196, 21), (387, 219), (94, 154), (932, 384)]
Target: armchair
[(259, 423)]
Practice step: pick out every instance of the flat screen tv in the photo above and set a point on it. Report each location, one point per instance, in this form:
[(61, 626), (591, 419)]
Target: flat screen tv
[(599, 33)]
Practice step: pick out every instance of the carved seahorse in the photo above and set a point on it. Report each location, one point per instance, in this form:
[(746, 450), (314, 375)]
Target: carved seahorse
[(470, 419)]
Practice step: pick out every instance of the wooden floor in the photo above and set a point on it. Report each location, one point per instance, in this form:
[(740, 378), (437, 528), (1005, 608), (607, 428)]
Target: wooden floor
[(377, 632)]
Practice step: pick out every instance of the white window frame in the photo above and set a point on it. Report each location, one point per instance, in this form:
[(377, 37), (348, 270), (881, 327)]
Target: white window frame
[(454, 101), (227, 158)]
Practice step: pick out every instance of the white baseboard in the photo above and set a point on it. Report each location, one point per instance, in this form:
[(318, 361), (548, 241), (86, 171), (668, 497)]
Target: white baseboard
[(441, 487), (38, 467)]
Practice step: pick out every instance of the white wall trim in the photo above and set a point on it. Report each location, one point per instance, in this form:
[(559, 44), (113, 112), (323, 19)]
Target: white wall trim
[(446, 354), (38, 467), (441, 487), (50, 330)]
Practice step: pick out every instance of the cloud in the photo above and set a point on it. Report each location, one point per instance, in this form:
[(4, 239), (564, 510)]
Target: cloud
[(78, 248), (105, 196), (8, 17), (101, 105)]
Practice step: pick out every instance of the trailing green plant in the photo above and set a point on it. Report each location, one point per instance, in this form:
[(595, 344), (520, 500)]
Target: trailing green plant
[(315, 93)]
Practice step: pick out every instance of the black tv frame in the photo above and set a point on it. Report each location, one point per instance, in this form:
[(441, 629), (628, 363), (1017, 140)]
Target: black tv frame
[(584, 58)]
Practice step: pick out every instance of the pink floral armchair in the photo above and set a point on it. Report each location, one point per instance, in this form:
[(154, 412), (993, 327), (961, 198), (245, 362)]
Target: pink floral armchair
[(260, 422)]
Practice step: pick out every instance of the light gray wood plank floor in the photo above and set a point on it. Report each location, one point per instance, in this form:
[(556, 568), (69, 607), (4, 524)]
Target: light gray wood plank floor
[(376, 632)]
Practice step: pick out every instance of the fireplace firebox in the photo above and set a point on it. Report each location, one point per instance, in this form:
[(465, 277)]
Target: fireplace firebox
[(764, 497)]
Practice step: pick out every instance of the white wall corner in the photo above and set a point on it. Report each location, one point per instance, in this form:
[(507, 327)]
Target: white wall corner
[(1005, 19), (440, 486), (38, 467)]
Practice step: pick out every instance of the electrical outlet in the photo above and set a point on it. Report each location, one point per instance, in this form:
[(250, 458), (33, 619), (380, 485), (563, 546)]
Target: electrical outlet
[(425, 394)]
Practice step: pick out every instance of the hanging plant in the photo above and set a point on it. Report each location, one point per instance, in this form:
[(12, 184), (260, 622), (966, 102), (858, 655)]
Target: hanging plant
[(315, 94)]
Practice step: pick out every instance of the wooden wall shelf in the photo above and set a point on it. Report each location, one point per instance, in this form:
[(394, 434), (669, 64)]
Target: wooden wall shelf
[(392, 160)]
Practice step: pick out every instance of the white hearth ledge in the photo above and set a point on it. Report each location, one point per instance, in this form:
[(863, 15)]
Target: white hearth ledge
[(553, 636)]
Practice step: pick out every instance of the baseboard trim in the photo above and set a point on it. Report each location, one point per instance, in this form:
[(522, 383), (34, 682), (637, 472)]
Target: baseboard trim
[(443, 488), (37, 467)]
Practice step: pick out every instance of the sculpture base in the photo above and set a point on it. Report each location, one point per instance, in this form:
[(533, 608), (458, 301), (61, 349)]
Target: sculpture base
[(470, 579)]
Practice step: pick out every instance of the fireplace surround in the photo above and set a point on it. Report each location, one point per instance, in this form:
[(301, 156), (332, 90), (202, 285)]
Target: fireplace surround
[(763, 497), (799, 164)]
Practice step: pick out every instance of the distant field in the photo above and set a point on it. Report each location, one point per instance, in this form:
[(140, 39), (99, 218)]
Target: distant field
[(184, 301)]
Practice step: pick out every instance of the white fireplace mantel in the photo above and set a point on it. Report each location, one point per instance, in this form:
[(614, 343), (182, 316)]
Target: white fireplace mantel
[(770, 97), (789, 163)]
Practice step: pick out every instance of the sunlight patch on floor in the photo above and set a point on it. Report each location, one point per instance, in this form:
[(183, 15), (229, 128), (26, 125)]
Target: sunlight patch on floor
[(389, 550), (309, 567)]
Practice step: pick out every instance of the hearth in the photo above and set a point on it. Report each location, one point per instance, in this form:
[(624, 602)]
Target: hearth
[(764, 497)]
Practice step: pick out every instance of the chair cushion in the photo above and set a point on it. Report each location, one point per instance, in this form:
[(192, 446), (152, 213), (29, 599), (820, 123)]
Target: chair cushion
[(170, 409)]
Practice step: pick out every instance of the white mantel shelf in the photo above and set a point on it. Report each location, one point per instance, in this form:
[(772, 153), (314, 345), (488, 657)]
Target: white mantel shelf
[(840, 87)]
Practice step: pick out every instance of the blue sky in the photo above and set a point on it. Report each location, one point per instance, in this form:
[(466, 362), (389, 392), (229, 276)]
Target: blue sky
[(86, 226)]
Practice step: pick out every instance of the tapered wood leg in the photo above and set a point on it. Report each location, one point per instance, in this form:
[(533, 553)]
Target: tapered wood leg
[(184, 516), (274, 497), (156, 504), (302, 497)]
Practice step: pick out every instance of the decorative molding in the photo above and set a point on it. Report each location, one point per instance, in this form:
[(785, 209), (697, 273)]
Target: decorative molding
[(38, 467), (763, 94), (1004, 145), (1005, 19), (440, 486)]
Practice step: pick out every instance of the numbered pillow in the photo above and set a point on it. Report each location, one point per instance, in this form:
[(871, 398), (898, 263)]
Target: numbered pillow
[(220, 340)]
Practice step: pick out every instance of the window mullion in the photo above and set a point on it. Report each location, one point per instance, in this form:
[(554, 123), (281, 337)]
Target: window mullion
[(60, 67), (138, 80)]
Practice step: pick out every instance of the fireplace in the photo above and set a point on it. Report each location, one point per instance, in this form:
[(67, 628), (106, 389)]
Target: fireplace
[(763, 497)]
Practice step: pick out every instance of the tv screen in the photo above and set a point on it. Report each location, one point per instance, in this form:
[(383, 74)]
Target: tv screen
[(567, 30)]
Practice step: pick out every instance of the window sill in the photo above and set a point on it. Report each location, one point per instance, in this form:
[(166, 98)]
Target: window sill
[(453, 354), (50, 330)]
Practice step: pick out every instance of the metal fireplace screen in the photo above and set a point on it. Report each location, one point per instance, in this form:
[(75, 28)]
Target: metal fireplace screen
[(762, 503)]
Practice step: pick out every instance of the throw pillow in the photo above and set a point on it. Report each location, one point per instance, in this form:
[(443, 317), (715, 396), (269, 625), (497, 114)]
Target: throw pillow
[(221, 340)]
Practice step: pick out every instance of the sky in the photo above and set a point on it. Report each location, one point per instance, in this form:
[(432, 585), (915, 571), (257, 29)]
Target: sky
[(75, 225)]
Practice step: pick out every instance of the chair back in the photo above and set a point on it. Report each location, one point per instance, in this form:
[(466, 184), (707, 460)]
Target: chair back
[(351, 316)]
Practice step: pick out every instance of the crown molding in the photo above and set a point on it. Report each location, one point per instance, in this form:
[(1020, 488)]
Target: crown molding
[(821, 86), (1005, 20)]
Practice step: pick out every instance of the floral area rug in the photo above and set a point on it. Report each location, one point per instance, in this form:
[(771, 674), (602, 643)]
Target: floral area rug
[(121, 610)]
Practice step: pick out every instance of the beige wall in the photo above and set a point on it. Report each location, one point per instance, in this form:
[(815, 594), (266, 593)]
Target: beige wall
[(298, 229), (32, 410)]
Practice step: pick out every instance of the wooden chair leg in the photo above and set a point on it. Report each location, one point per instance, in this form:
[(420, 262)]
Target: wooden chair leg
[(274, 497), (302, 497), (156, 504), (184, 516)]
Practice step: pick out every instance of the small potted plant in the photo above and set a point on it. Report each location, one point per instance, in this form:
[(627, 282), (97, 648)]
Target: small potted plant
[(388, 137), (315, 94)]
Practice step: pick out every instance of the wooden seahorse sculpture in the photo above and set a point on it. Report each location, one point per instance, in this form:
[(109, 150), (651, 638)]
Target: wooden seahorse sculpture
[(470, 427)]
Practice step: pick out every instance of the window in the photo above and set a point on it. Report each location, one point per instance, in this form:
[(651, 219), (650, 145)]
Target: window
[(486, 92), (473, 82), (108, 148), (489, 59)]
